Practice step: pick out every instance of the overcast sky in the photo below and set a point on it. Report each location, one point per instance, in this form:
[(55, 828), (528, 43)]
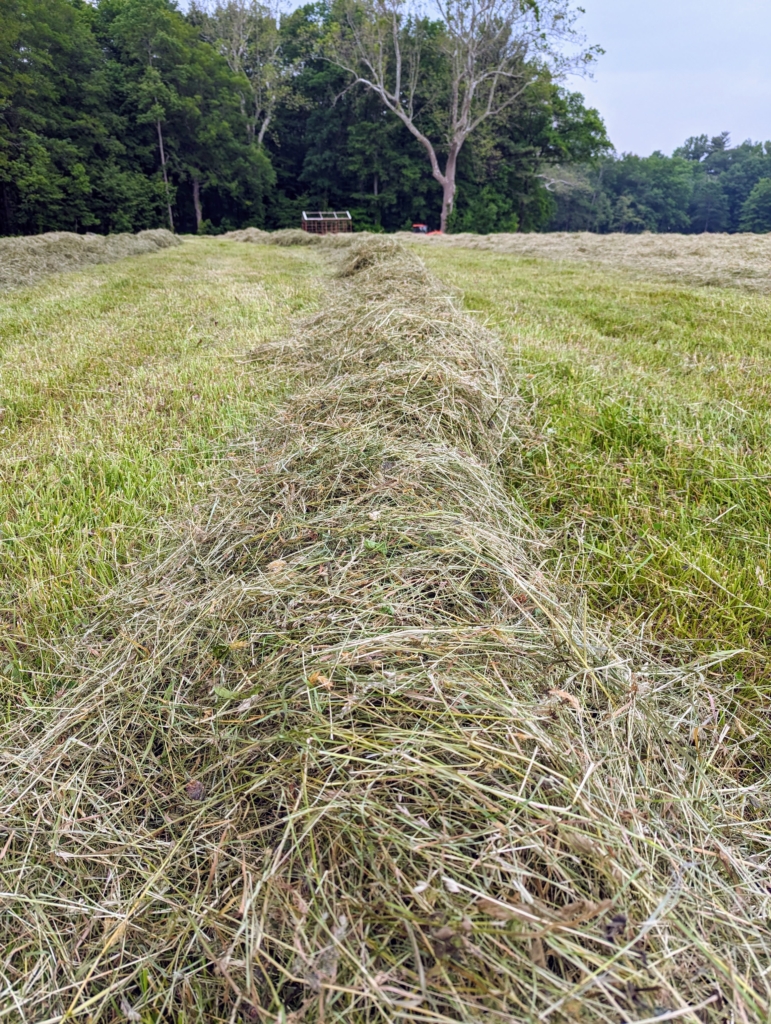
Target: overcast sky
[(675, 68)]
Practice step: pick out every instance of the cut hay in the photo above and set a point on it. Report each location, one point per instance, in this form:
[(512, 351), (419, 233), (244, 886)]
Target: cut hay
[(294, 236), (25, 260), (741, 260), (344, 753)]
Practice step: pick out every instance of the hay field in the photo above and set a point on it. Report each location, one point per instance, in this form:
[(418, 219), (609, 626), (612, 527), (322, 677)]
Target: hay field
[(652, 466), (26, 260), (344, 743), (742, 261), (121, 385)]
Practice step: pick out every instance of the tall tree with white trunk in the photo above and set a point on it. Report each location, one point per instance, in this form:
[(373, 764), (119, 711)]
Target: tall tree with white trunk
[(446, 76)]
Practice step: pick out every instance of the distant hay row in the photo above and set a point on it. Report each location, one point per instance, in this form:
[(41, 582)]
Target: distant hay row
[(26, 260), (742, 260), (344, 753), (292, 236)]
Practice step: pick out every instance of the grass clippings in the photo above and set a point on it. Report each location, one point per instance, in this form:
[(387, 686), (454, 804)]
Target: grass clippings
[(26, 260), (742, 260), (344, 753), (295, 236)]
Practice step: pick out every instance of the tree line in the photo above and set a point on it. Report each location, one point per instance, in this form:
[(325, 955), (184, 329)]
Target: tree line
[(119, 115), (706, 185)]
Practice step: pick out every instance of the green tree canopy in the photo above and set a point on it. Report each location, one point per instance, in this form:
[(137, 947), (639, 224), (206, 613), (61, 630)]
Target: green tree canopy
[(756, 211)]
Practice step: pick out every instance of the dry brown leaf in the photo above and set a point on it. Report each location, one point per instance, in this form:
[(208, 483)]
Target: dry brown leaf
[(582, 910), (582, 844), (566, 698), (505, 911), (277, 565), (195, 790), (537, 954), (319, 679)]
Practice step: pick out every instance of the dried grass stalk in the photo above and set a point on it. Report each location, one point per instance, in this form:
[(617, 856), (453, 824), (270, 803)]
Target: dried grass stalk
[(344, 753), (25, 260)]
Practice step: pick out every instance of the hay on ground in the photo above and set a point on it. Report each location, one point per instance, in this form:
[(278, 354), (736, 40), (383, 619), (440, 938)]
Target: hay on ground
[(295, 236), (26, 260), (742, 260), (344, 753)]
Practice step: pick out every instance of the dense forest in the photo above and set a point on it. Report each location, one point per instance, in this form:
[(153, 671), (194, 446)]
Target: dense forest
[(119, 115), (706, 185)]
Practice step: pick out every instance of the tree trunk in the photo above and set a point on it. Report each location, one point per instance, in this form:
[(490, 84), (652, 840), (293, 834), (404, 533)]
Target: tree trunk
[(8, 212), (165, 175), (448, 188), (263, 128), (197, 204)]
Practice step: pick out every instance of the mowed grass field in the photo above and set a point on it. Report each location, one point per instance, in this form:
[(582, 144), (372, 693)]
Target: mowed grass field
[(651, 468), (649, 464), (339, 746), (120, 387)]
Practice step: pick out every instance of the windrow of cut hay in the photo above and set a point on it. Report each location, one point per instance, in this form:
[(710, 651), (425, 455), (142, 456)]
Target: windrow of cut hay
[(25, 260), (742, 260), (294, 236), (343, 753)]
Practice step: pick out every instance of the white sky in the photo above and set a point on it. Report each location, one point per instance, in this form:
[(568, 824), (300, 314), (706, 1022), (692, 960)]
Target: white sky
[(675, 68)]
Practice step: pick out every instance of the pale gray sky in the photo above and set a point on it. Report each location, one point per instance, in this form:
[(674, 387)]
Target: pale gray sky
[(675, 68)]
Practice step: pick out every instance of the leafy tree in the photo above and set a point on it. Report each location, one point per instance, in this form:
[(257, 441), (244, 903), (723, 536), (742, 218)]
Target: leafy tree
[(444, 80), (337, 146), (179, 87), (756, 212), (704, 186), (58, 137), (246, 33)]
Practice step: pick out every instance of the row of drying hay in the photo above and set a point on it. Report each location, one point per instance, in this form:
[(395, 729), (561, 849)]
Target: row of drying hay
[(25, 260), (344, 753), (742, 260), (295, 236)]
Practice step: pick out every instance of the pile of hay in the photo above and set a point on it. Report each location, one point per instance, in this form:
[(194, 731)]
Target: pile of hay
[(294, 236), (25, 260), (344, 753), (742, 260)]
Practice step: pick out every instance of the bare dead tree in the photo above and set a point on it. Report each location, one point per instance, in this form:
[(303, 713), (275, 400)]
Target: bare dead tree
[(492, 51)]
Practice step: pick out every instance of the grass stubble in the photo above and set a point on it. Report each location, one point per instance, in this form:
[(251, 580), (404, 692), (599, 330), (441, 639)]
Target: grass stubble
[(342, 750)]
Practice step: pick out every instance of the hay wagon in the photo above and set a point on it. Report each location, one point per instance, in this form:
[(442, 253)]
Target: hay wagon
[(327, 222)]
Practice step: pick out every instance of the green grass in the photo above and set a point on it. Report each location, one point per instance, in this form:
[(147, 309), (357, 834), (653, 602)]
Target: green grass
[(652, 463), (651, 468), (119, 387)]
